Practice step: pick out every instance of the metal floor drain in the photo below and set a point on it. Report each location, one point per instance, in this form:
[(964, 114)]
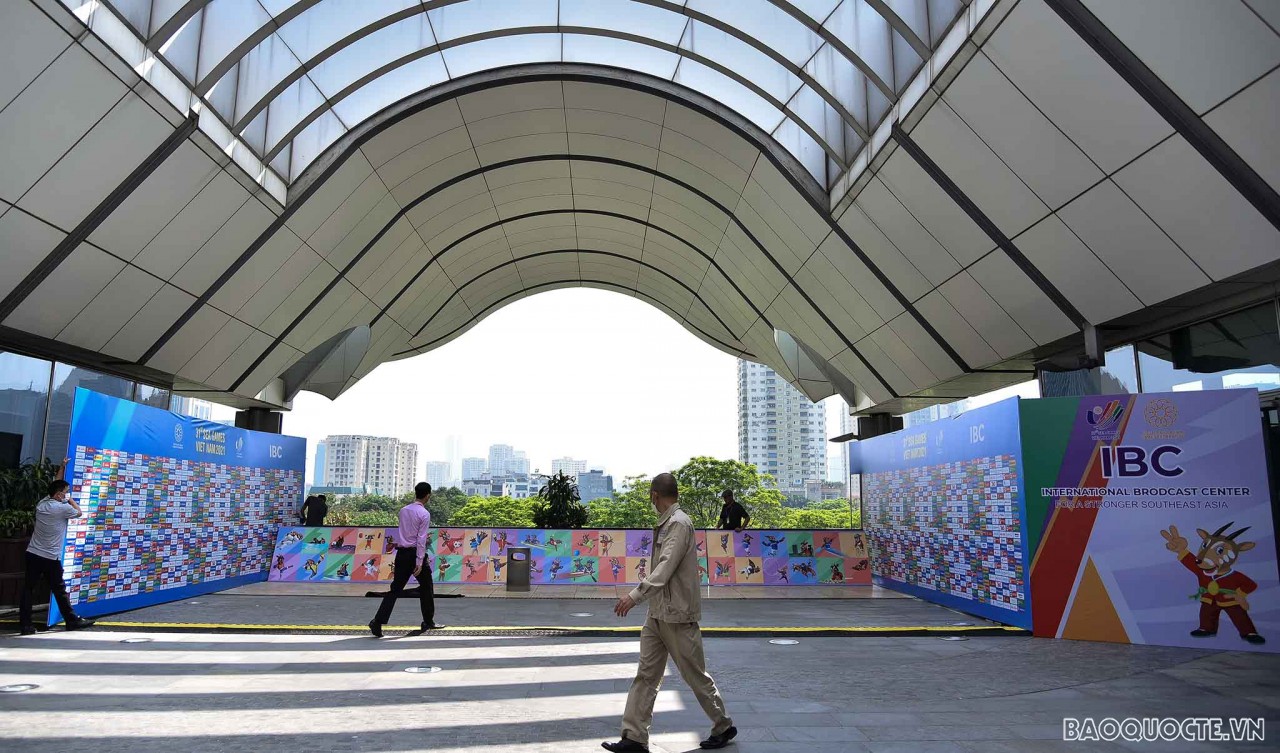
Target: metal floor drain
[(581, 614), (19, 688), (136, 640), (783, 641), (955, 638), (421, 670)]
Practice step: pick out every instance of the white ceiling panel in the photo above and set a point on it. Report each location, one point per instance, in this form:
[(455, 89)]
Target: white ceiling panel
[(531, 189), (346, 215), (425, 126), (1070, 84), (386, 213), (516, 125), (1020, 134), (1073, 269), (51, 115), (382, 251), (986, 316), (600, 267), (194, 335), (1131, 245), (884, 364), (921, 344), (1247, 122), (29, 42), (609, 147), (298, 268), (524, 96), (26, 242), (123, 297), (588, 96), (790, 312), (860, 278), (958, 333), (67, 290), (389, 277), (905, 232), (221, 251), (740, 258), (1204, 51), (154, 203), (230, 370), (979, 173), (521, 147), (429, 152), (296, 300), (310, 214), (710, 135), (98, 163), (851, 366), (431, 178), (704, 159), (147, 326), (340, 302), (1196, 206), (192, 227), (931, 207), (880, 250), (722, 193), (260, 267), (610, 124), (216, 349), (790, 202), (772, 227), (524, 172), (1019, 296), (836, 298), (271, 367), (448, 227)]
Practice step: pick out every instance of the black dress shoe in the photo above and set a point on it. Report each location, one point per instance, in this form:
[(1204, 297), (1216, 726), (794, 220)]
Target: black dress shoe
[(431, 626), (375, 628), (1198, 633), (720, 740), (28, 630), (80, 623), (625, 746), (1254, 638)]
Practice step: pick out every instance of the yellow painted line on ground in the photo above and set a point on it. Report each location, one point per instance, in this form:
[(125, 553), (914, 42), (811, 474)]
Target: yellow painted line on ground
[(565, 628)]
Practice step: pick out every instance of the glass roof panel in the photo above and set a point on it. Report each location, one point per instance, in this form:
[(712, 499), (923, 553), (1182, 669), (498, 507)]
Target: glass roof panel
[(481, 16), (620, 53), (625, 15), (323, 66), (495, 53), (732, 94), (766, 23), (741, 58), (330, 20)]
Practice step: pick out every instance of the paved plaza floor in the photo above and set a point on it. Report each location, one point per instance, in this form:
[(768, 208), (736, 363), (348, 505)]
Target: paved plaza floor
[(196, 692)]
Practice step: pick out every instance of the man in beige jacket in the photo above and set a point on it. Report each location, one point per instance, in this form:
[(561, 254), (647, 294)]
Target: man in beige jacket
[(675, 606)]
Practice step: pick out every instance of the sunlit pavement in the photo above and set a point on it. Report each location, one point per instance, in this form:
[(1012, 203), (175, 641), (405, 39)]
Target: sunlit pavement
[(194, 692)]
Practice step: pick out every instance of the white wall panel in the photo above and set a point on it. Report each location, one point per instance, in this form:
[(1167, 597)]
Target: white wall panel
[(65, 292)]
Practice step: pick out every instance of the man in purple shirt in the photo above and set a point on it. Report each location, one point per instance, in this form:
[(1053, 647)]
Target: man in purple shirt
[(412, 558)]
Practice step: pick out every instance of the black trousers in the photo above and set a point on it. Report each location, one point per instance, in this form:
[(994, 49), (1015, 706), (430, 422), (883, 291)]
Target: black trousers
[(406, 559), (38, 569)]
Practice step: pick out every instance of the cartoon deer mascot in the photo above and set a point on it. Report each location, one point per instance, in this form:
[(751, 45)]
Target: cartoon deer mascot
[(1222, 589)]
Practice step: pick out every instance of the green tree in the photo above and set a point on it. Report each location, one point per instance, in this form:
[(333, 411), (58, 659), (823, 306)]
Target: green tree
[(628, 509), (558, 504), (766, 508), (813, 518), (443, 503), (495, 512), (364, 510), (703, 479)]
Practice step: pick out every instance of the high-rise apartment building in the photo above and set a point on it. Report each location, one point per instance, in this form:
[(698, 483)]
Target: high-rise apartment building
[(780, 431), (569, 466), (317, 472), (439, 474), (382, 465), (594, 485), (500, 458), (473, 468)]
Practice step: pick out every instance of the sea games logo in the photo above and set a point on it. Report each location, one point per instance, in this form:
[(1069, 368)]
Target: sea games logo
[(1105, 420), (177, 436), (1161, 414)]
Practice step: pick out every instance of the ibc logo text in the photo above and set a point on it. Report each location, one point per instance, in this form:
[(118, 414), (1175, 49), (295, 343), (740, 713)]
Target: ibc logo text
[(1131, 462)]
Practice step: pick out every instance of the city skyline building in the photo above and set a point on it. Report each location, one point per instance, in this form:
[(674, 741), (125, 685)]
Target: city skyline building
[(381, 465), (473, 468), (317, 473), (594, 484), (439, 473), (780, 431), (569, 466)]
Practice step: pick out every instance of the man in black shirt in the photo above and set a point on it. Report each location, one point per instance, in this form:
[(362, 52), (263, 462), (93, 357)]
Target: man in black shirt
[(314, 510), (733, 515)]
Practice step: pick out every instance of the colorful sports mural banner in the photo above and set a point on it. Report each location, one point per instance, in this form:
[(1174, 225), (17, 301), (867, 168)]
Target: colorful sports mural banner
[(174, 506), (943, 506), (1156, 520), (586, 556)]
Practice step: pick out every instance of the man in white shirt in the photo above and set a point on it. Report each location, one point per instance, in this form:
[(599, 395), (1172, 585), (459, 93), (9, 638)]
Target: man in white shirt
[(44, 556)]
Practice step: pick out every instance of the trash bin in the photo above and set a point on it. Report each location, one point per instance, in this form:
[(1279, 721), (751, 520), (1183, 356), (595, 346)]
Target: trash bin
[(518, 565)]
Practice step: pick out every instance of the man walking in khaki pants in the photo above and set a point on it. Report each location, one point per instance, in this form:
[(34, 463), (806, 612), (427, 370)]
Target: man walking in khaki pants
[(675, 607)]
